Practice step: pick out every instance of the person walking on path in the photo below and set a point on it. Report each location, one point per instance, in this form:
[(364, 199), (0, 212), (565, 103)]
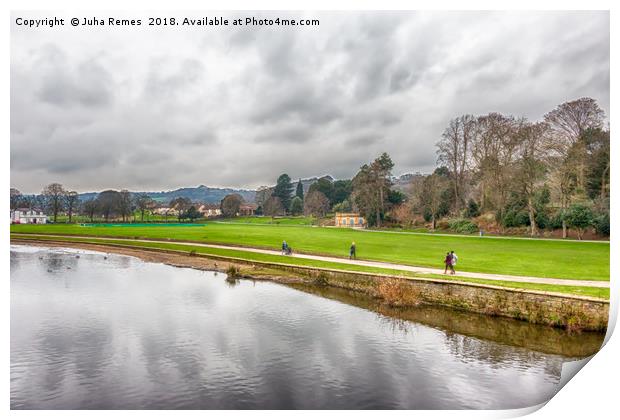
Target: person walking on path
[(453, 259), (448, 263), (284, 247), (352, 251)]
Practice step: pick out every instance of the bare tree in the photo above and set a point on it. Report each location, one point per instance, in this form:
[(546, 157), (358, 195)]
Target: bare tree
[(454, 152), (429, 196), (108, 202), (72, 200), (568, 122), (316, 204), (532, 163), (273, 207), (371, 188), (54, 198), (143, 202), (230, 205), (89, 208), (16, 198), (125, 207), (181, 205), (493, 157)]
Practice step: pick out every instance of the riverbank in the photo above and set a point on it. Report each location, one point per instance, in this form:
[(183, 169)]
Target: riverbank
[(522, 258), (539, 307)]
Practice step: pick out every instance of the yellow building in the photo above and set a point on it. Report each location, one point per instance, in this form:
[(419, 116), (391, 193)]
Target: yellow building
[(353, 220)]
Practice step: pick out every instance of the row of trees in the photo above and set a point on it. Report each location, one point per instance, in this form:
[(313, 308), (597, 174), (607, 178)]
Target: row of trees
[(108, 204), (527, 173), (369, 193), (54, 198), (321, 197)]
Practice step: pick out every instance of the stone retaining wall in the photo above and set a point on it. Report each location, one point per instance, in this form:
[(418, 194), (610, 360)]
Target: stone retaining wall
[(548, 308)]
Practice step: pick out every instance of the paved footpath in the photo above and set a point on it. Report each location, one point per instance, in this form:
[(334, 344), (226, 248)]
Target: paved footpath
[(377, 264)]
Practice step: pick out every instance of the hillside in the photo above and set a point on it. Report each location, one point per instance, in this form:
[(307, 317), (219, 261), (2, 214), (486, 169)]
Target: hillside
[(201, 194)]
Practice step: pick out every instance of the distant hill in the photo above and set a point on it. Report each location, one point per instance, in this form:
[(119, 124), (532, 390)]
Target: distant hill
[(201, 194)]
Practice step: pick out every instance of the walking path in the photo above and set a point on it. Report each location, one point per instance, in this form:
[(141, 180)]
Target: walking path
[(366, 263)]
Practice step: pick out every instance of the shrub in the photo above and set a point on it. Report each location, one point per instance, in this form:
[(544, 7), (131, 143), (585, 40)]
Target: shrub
[(391, 291), (473, 209), (579, 217), (543, 220), (514, 218), (394, 292), (556, 220), (601, 224), (233, 271), (463, 226), (192, 253)]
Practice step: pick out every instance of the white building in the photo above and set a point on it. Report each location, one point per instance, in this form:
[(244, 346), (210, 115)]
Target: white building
[(210, 210), (28, 216)]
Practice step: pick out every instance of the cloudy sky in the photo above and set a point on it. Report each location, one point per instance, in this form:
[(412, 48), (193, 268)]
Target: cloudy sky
[(158, 108)]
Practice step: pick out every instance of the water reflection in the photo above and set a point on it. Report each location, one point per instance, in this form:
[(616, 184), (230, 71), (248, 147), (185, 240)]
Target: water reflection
[(498, 329), (121, 333)]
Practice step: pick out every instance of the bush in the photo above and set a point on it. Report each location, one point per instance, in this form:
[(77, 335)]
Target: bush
[(473, 209), (556, 220), (543, 221), (233, 272), (601, 224), (396, 292), (297, 206), (463, 226), (514, 218), (579, 217)]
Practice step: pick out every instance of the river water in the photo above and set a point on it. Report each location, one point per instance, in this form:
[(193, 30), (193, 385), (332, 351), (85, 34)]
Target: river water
[(113, 332)]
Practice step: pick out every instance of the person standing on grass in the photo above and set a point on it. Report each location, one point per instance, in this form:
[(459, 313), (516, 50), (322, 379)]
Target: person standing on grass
[(352, 251), (454, 259), (448, 262)]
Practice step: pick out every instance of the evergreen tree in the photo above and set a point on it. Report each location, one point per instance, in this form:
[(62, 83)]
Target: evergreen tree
[(297, 206), (300, 190), (283, 190)]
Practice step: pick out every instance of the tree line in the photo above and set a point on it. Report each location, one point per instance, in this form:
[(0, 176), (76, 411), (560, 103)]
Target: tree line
[(548, 174), (107, 205), (552, 173), (369, 192)]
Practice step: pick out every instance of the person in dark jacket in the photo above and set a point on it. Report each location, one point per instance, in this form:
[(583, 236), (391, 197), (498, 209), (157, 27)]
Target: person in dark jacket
[(448, 262), (352, 251)]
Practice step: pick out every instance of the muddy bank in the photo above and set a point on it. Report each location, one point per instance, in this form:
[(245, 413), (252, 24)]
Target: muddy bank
[(563, 311)]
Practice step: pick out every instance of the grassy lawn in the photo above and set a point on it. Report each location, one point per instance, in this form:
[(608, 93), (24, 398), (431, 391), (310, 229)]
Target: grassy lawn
[(253, 256), (538, 258), (264, 220)]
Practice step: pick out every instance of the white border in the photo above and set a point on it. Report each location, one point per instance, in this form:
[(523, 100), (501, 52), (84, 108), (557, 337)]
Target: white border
[(592, 394)]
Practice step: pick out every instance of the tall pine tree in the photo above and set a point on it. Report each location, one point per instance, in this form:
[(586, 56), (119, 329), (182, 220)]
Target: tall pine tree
[(283, 190), (300, 190)]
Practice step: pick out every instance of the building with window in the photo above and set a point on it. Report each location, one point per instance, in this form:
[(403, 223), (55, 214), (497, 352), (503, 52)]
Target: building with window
[(247, 209), (353, 220), (28, 216), (210, 210)]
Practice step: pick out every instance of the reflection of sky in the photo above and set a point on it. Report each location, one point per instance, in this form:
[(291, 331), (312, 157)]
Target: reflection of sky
[(120, 333)]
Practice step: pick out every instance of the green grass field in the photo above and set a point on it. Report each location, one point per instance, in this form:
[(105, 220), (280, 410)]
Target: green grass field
[(539, 258), (264, 220), (597, 292)]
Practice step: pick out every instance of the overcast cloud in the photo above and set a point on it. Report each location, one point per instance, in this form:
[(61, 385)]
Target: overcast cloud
[(155, 109)]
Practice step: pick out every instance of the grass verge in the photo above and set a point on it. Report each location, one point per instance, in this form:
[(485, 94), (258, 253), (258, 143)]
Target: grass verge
[(249, 256)]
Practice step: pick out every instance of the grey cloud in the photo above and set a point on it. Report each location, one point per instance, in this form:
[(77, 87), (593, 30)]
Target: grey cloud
[(86, 83), (238, 106)]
